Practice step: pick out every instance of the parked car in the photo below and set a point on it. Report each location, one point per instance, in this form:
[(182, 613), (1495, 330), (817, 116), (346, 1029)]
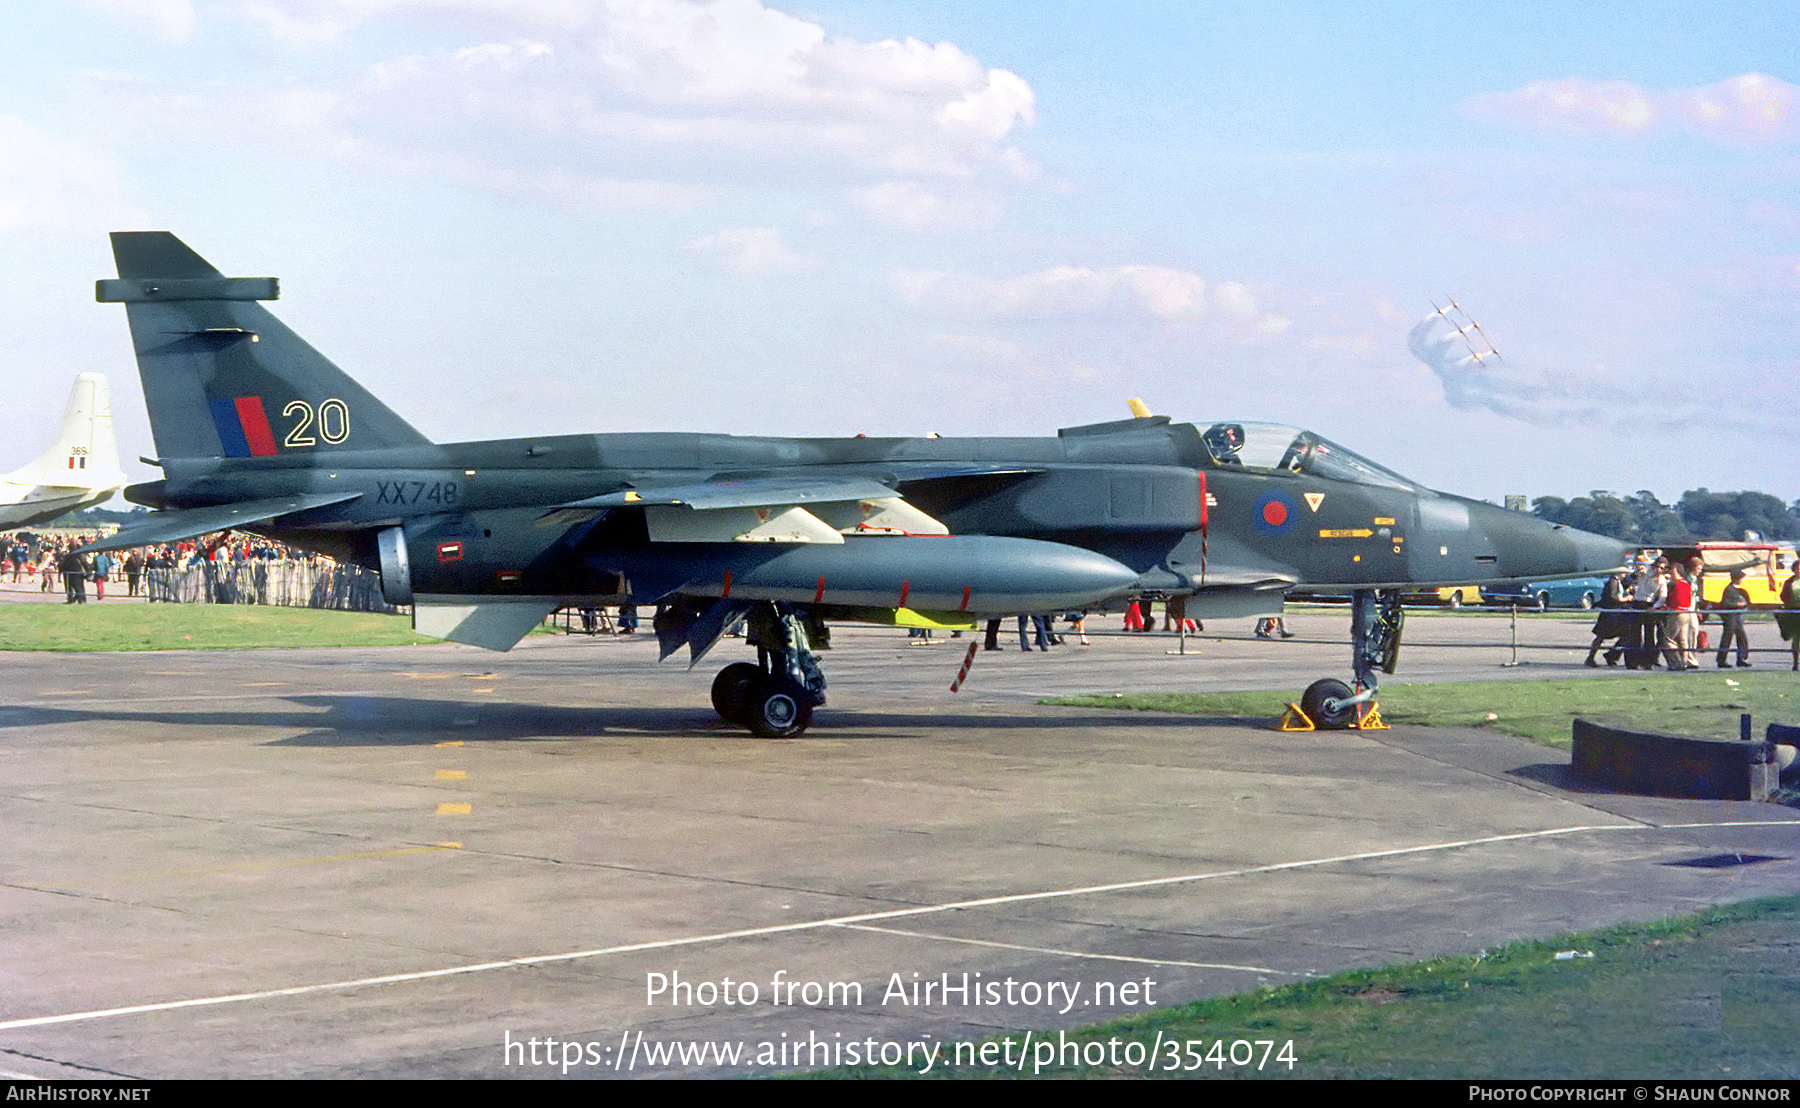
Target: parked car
[(1580, 592), (1450, 596), (1459, 595)]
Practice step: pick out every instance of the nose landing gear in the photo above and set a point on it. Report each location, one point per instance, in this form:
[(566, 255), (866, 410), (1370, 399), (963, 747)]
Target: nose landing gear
[(1376, 619)]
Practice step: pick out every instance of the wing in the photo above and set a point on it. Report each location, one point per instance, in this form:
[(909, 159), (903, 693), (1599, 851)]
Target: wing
[(186, 523), (769, 509)]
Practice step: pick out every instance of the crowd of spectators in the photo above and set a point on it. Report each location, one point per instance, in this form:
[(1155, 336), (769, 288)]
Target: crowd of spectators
[(54, 560), (1651, 614)]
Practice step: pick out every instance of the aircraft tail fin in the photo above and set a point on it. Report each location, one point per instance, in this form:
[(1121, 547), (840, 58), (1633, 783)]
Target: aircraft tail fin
[(85, 454), (222, 376)]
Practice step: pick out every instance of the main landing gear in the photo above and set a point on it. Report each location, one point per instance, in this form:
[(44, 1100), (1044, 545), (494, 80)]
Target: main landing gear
[(775, 696), (1376, 619)]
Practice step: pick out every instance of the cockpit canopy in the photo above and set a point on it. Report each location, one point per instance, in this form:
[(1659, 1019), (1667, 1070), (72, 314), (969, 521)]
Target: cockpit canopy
[(1274, 447)]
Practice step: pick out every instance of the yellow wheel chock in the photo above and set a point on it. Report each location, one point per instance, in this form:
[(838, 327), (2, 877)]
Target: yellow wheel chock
[(1294, 720), (1368, 718)]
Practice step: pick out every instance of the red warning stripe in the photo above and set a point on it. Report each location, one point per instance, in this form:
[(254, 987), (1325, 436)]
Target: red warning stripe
[(964, 606), (819, 593), (256, 427), (905, 587), (1203, 525), (727, 591)]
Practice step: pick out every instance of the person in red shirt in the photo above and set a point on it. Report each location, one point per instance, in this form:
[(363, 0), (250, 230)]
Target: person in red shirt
[(1684, 621)]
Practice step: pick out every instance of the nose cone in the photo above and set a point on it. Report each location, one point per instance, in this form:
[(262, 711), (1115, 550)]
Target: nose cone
[(1597, 554), (1529, 548)]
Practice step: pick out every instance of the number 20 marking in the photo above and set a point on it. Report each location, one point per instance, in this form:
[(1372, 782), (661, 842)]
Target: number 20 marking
[(333, 419)]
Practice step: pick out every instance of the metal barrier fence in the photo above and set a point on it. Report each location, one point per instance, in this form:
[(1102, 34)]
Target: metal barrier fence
[(286, 584)]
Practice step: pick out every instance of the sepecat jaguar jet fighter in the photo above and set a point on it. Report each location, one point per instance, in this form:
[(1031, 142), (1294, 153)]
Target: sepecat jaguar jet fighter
[(256, 430)]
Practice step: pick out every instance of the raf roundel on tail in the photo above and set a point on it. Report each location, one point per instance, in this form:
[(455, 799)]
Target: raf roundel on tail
[(256, 430)]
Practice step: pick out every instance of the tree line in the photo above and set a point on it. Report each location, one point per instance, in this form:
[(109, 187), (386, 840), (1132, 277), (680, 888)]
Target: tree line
[(1699, 515)]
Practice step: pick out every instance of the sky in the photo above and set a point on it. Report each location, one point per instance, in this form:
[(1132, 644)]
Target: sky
[(517, 217)]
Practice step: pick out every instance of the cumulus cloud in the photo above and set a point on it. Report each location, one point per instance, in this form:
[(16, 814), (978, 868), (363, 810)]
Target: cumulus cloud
[(1144, 291), (751, 251), (1752, 109), (697, 90), (49, 182)]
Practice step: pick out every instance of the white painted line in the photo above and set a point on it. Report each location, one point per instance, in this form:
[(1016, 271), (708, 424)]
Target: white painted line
[(840, 921), (1063, 953)]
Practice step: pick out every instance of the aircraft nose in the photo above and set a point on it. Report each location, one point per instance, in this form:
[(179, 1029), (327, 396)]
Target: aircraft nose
[(1596, 554), (1528, 547)]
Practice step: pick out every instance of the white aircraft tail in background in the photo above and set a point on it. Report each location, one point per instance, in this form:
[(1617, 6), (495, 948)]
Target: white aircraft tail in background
[(81, 470)]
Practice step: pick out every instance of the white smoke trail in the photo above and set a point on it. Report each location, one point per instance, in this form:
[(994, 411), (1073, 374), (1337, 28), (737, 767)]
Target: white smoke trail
[(1489, 383), (1485, 381)]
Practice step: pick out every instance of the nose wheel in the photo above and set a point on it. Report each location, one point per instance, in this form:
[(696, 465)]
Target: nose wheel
[(1325, 703), (1376, 619)]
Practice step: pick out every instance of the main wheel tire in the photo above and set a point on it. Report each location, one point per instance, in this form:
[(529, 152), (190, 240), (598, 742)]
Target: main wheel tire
[(779, 710), (733, 689), (1543, 602), (1313, 701), (1587, 601), (1456, 598)]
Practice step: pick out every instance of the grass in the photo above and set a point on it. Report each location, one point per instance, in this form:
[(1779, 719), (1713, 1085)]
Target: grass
[(101, 626), (1699, 703), (1710, 996)]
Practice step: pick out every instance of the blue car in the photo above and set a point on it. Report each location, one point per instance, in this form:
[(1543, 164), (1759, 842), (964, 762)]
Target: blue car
[(1580, 592)]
